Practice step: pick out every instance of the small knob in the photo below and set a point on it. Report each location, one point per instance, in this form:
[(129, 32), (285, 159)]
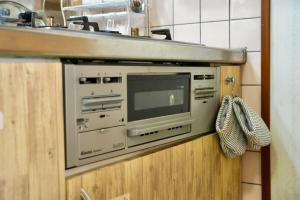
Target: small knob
[(80, 128), (82, 80), (106, 79)]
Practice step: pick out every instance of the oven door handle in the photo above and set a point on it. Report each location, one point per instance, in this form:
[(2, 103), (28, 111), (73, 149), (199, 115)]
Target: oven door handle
[(99, 100), (133, 132)]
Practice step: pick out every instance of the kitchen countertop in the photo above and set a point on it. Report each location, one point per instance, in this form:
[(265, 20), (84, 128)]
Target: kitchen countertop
[(65, 43)]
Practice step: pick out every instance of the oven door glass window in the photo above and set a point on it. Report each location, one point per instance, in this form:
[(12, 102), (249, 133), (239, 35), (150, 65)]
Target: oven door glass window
[(152, 96)]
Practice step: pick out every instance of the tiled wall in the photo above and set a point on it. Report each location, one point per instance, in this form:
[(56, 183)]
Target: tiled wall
[(228, 24)]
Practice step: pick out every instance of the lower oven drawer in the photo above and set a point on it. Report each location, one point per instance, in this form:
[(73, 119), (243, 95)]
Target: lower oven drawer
[(101, 141)]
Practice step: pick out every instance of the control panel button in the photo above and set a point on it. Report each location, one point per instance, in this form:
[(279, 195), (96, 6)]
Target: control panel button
[(106, 79)]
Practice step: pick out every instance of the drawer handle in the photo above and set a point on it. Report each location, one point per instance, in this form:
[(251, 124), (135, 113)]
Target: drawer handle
[(84, 195), (97, 101)]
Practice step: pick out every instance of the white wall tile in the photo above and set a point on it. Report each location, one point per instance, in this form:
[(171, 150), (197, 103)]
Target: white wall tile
[(187, 11), (251, 71), (161, 12), (215, 34), (162, 36), (245, 8), (187, 33), (251, 170), (214, 10), (251, 192), (252, 96), (245, 33)]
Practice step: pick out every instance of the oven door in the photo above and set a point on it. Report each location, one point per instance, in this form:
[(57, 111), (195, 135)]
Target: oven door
[(151, 96)]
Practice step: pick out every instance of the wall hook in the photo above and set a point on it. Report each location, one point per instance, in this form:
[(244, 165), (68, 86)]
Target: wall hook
[(230, 80)]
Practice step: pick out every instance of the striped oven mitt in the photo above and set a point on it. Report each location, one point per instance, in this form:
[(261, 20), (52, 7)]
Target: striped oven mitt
[(254, 128), (232, 139)]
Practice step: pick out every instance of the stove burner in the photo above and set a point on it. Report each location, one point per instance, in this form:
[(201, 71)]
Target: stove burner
[(28, 19), (84, 21)]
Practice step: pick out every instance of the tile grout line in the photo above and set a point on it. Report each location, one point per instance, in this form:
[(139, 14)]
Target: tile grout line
[(229, 21), (214, 21), (182, 24), (148, 18), (173, 20), (187, 23), (204, 22), (200, 11), (245, 18)]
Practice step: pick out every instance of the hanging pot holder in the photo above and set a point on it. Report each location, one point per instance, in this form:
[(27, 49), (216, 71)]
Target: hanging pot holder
[(232, 139), (254, 128)]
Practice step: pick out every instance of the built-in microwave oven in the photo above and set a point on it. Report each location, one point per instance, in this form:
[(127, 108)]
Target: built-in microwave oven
[(157, 95), (112, 110)]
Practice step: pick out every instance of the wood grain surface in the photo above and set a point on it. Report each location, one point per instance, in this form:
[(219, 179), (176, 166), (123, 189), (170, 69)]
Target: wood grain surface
[(193, 170), (230, 89), (31, 142)]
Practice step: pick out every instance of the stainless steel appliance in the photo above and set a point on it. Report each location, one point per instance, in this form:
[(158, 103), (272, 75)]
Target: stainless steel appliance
[(104, 46), (115, 109)]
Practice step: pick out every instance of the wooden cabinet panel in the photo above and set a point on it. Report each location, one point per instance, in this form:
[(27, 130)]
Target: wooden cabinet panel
[(229, 167), (31, 141), (193, 170), (231, 88)]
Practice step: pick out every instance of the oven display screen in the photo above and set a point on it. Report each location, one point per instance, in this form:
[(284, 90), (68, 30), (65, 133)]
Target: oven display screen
[(152, 96), (158, 99)]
